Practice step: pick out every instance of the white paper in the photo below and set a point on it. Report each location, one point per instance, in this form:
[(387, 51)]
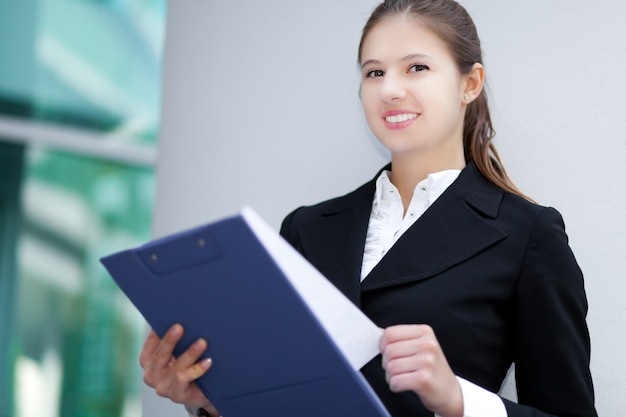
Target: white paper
[(356, 336)]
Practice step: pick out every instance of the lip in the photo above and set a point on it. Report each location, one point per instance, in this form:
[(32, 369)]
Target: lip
[(399, 125)]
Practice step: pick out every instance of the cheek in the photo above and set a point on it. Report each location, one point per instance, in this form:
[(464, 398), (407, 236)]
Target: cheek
[(447, 102)]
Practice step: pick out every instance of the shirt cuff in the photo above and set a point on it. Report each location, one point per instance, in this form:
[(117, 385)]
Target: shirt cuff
[(478, 402)]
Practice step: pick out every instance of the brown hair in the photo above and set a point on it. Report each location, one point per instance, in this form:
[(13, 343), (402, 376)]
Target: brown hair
[(452, 24)]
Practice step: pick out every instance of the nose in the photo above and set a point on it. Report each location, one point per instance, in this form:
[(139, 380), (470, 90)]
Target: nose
[(393, 89)]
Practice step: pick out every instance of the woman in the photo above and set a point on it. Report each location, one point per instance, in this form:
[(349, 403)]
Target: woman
[(466, 274)]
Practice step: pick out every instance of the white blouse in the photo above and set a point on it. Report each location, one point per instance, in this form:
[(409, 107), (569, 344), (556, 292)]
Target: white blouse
[(387, 220)]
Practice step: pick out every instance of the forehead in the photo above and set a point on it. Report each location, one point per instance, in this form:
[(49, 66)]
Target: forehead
[(400, 36)]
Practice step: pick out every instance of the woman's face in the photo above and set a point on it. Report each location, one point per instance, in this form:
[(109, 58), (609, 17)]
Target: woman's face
[(411, 90)]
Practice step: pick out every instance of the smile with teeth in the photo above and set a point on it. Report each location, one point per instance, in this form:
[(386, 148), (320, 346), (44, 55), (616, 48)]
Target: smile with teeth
[(399, 118)]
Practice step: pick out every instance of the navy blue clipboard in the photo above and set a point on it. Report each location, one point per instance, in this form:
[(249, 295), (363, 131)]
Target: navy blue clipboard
[(271, 356)]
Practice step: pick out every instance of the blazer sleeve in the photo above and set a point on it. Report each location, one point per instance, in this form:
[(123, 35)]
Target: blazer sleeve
[(288, 232), (552, 346)]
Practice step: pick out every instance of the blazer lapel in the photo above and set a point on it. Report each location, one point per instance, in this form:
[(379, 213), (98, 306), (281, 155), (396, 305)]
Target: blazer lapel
[(456, 227), (335, 242)]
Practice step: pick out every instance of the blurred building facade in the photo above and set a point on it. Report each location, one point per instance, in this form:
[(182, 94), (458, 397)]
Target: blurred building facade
[(79, 117)]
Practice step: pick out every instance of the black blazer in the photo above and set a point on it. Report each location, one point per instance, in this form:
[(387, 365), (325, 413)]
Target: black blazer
[(492, 274)]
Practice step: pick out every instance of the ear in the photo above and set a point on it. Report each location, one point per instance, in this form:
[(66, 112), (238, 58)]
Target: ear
[(474, 82)]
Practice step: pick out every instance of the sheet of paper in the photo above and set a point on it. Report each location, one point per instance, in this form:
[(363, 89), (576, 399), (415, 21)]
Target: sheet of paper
[(356, 336)]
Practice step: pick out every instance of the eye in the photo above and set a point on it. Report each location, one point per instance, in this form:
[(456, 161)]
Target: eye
[(418, 68), (374, 74)]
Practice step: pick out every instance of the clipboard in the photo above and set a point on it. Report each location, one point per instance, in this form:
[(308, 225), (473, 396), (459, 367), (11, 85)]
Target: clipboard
[(233, 282)]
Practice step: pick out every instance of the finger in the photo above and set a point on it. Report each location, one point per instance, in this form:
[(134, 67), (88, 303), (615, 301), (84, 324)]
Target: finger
[(414, 381), (409, 347), (194, 371), (415, 363), (149, 346), (191, 355), (405, 332), (165, 349), (402, 348)]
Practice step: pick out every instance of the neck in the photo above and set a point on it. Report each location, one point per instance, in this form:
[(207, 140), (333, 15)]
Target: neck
[(408, 171)]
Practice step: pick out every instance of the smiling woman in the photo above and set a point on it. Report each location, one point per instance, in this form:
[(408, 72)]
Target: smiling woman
[(298, 134), (465, 274)]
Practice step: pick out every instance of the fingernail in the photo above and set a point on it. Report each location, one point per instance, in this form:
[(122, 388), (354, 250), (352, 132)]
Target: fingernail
[(199, 345), (176, 330), (207, 362)]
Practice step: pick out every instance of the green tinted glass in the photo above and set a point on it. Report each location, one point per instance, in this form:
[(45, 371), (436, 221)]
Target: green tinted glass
[(90, 63), (77, 337), (79, 116)]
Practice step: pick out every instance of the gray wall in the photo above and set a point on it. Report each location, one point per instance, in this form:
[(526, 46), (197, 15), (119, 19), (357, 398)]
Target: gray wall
[(261, 109)]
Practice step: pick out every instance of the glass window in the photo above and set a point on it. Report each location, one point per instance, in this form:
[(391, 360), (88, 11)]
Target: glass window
[(77, 337), (79, 117), (88, 63)]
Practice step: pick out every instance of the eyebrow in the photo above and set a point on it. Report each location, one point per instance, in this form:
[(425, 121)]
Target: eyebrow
[(410, 57)]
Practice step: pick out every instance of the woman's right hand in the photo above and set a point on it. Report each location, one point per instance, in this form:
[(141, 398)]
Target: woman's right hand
[(171, 377)]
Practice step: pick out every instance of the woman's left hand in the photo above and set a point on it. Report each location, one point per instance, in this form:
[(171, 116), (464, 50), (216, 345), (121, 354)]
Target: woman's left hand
[(414, 361)]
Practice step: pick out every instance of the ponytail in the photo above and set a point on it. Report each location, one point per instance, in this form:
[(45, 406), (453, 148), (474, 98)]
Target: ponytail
[(478, 147)]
